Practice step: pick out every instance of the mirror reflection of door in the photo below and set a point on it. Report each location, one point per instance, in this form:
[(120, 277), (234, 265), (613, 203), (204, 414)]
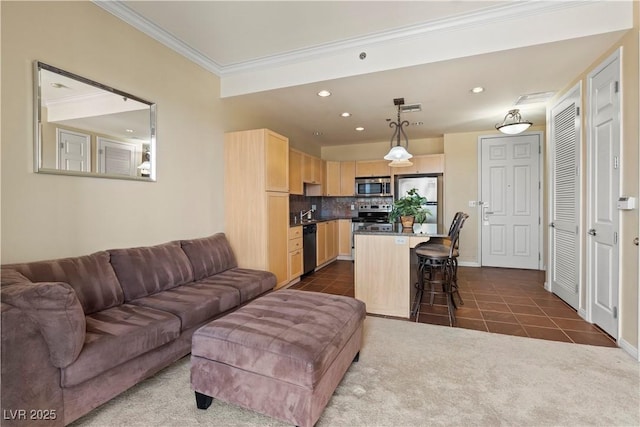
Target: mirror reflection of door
[(74, 151), (116, 158)]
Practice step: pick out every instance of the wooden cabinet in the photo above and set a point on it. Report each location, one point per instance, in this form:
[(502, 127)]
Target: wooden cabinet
[(339, 178), (368, 168), (296, 259), (311, 169), (347, 178), (321, 243), (344, 237), (428, 163), (257, 200), (326, 242), (332, 179), (295, 173)]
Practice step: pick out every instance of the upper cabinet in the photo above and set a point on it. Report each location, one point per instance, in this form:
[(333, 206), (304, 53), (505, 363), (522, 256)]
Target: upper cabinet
[(368, 168), (276, 162), (428, 163), (339, 178), (295, 172), (311, 169)]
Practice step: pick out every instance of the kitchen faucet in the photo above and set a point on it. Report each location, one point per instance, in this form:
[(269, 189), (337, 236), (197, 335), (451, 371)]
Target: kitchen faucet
[(303, 213)]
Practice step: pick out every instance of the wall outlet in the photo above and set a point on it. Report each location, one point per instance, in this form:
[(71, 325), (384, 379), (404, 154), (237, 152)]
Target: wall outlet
[(472, 203), (313, 207), (353, 207)]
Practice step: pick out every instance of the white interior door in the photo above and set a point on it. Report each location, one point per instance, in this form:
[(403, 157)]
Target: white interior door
[(604, 189), (116, 158), (564, 208), (510, 197), (74, 151)]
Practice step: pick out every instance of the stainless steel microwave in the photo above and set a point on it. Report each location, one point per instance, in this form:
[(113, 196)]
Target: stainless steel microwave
[(369, 187)]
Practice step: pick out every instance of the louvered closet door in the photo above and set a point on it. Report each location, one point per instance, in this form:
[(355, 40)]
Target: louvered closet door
[(565, 248)]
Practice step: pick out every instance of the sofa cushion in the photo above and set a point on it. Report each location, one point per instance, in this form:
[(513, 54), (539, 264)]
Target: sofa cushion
[(58, 313), (117, 335), (90, 276), (9, 276), (193, 303), (248, 283), (209, 255), (148, 270)]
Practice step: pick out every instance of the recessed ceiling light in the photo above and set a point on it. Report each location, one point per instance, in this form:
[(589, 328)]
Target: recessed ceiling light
[(417, 123), (324, 93), (345, 114), (359, 128), (317, 133), (477, 89), (129, 130)]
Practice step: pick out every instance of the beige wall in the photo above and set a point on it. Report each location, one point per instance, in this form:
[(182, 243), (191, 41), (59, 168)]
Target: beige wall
[(47, 216)]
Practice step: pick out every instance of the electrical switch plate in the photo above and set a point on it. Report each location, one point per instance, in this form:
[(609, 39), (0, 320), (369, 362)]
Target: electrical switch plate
[(353, 207), (472, 203), (313, 207)]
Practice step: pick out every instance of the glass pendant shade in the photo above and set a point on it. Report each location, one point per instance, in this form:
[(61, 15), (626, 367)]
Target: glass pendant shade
[(513, 123), (398, 153), (400, 163)]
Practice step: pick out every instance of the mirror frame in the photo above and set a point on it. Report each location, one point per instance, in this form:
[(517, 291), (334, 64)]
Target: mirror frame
[(37, 115)]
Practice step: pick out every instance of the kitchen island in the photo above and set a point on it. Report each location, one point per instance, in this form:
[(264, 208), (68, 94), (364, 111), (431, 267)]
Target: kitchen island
[(385, 270)]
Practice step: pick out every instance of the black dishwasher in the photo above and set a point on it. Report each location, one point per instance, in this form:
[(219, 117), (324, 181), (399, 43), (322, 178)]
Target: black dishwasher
[(309, 248)]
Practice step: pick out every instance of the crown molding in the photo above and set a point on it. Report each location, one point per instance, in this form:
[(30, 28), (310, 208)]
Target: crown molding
[(483, 17), (120, 10)]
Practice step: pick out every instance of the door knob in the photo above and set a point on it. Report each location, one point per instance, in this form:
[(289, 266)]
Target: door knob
[(592, 231), (635, 241), (552, 225)]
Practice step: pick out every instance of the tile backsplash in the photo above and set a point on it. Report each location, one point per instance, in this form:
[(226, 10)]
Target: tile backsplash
[(332, 207)]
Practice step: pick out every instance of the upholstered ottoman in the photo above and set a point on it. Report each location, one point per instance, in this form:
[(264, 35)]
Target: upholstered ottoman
[(282, 355)]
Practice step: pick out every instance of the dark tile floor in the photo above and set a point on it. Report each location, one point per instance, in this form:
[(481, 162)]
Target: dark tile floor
[(499, 300)]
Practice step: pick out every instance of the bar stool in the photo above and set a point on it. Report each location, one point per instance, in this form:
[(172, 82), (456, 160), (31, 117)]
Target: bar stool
[(437, 268)]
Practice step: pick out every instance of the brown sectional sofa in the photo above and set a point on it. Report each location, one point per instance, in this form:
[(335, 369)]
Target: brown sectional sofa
[(78, 331)]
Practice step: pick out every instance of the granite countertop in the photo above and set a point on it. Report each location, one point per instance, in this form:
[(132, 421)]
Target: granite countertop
[(397, 231), (317, 220)]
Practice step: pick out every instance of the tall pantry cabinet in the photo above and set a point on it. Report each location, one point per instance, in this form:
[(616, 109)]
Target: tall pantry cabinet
[(256, 187)]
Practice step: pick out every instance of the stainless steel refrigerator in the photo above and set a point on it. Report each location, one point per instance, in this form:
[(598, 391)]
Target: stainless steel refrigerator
[(429, 187)]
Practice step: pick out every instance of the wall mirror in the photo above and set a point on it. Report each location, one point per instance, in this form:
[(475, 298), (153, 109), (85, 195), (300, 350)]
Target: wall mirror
[(85, 128)]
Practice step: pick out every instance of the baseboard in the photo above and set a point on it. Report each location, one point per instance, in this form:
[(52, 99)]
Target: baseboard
[(633, 351), (345, 258), (582, 313), (468, 264), (547, 287)]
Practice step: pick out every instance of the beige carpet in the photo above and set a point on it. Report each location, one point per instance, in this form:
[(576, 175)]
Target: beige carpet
[(424, 375)]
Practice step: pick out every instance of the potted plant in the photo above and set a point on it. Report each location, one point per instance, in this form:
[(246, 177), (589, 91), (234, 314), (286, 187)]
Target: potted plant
[(408, 207)]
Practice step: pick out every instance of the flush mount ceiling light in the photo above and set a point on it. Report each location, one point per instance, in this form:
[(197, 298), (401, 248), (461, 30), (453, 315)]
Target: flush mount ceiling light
[(360, 129), (324, 93), (513, 123), (477, 89), (398, 154)]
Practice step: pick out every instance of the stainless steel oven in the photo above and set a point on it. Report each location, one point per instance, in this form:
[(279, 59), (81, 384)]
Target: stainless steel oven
[(369, 187)]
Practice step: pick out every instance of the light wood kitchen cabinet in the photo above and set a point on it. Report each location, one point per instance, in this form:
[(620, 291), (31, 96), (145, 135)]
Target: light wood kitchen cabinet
[(332, 179), (347, 178), (295, 173), (368, 168), (311, 169), (321, 243), (428, 163), (344, 237), (296, 259), (257, 218), (326, 242)]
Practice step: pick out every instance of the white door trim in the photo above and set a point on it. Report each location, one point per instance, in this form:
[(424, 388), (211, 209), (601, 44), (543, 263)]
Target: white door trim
[(542, 260)]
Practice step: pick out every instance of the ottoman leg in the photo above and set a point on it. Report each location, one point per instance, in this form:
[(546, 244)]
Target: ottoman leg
[(355, 359), (203, 401)]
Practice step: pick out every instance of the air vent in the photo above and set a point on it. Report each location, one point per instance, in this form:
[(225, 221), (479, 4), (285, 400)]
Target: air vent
[(411, 108), (534, 98)]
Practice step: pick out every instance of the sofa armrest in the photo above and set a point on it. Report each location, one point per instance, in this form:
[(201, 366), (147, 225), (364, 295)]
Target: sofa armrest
[(30, 392), (55, 308)]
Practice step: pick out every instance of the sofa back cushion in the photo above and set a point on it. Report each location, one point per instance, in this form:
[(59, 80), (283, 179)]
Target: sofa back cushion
[(58, 313), (90, 276), (9, 276), (149, 270), (209, 255)]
